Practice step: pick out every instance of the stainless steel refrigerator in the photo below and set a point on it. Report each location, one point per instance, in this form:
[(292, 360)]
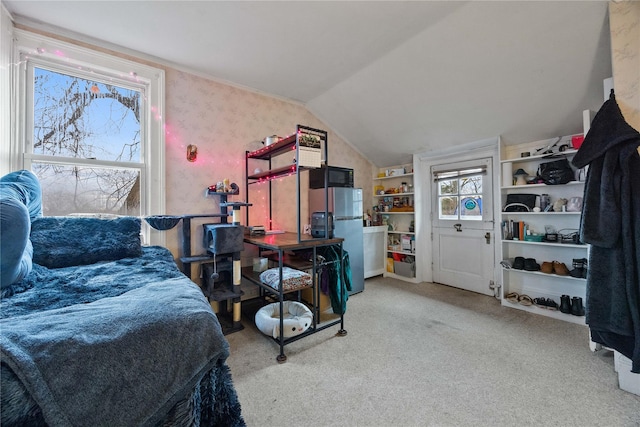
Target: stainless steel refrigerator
[(346, 206)]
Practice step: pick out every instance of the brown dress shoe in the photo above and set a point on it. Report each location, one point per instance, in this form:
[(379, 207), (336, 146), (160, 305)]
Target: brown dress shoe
[(560, 268), (546, 267)]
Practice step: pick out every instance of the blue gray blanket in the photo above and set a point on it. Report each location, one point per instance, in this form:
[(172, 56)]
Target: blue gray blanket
[(111, 343)]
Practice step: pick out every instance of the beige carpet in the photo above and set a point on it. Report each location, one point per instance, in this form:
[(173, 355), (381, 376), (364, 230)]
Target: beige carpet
[(430, 355)]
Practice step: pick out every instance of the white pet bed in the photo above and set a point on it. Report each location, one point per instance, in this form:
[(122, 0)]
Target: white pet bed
[(297, 319)]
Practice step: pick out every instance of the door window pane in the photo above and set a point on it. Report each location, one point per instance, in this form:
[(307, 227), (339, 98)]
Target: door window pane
[(448, 187), (448, 207), (460, 198)]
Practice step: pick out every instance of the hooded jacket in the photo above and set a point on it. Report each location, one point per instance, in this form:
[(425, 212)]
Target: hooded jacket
[(611, 224)]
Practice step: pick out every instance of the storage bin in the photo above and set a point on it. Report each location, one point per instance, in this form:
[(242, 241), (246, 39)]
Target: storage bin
[(403, 268)]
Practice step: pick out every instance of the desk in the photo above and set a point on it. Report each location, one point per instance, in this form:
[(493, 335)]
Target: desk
[(280, 243)]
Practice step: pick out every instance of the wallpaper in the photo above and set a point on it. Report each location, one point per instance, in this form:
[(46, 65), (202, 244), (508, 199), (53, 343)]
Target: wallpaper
[(624, 22), (224, 122)]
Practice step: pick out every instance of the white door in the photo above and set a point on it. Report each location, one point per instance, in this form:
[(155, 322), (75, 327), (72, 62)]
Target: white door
[(462, 224)]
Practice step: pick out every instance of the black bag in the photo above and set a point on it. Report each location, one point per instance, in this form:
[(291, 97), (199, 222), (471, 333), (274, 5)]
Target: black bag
[(556, 172), (519, 202)]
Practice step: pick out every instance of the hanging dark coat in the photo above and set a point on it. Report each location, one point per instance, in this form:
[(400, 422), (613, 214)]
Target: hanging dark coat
[(611, 224)]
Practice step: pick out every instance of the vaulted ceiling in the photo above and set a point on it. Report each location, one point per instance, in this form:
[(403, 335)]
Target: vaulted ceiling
[(391, 77)]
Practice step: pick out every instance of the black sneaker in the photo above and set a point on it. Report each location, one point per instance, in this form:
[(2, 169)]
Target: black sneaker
[(530, 264), (518, 263)]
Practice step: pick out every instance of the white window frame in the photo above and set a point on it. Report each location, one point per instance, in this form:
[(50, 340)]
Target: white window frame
[(487, 192), (32, 49)]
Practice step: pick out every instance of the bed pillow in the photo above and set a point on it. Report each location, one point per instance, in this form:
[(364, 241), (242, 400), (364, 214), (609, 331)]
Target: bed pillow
[(16, 250), (20, 203), (67, 241), (291, 279)]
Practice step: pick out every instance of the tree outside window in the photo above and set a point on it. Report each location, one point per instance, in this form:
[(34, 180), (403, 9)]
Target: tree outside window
[(86, 144), (460, 198)]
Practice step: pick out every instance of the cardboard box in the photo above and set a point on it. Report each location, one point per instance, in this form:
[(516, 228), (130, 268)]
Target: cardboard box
[(324, 303)]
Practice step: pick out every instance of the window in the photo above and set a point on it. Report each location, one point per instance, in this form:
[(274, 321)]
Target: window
[(90, 126), (74, 120), (460, 194)]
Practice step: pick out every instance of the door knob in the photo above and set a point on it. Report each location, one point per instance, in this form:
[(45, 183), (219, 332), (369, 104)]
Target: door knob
[(487, 236), (458, 227)]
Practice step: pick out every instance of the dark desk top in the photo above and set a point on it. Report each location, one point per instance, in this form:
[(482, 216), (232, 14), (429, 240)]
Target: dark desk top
[(289, 241)]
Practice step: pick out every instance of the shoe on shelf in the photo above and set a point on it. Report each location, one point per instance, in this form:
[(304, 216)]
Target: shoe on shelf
[(518, 263), (565, 304), (512, 297), (546, 303), (577, 309), (540, 302), (579, 268), (525, 300), (551, 304), (560, 268), (579, 262), (547, 267), (530, 264), (579, 273)]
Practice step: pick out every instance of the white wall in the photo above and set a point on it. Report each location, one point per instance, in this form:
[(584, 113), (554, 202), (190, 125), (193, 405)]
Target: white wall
[(6, 36)]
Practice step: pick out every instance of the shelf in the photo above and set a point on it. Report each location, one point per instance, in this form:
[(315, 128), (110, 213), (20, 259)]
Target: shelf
[(556, 314), (401, 252), (288, 143), (223, 294), (538, 273), (222, 193), (196, 258), (539, 213), (254, 277), (519, 187), (401, 277), (537, 284), (274, 173), (540, 156), (234, 204), (397, 213), (557, 245), (393, 194), (400, 217), (292, 261), (380, 178)]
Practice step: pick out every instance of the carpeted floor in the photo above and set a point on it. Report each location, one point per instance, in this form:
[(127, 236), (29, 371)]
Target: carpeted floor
[(430, 355)]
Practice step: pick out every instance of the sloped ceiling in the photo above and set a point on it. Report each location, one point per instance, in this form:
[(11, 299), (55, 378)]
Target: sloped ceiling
[(392, 78)]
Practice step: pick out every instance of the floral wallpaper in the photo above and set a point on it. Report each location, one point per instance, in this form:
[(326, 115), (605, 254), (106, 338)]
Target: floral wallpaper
[(224, 122), (624, 23)]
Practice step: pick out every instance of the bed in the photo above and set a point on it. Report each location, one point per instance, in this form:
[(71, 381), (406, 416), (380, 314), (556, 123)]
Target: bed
[(100, 330)]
